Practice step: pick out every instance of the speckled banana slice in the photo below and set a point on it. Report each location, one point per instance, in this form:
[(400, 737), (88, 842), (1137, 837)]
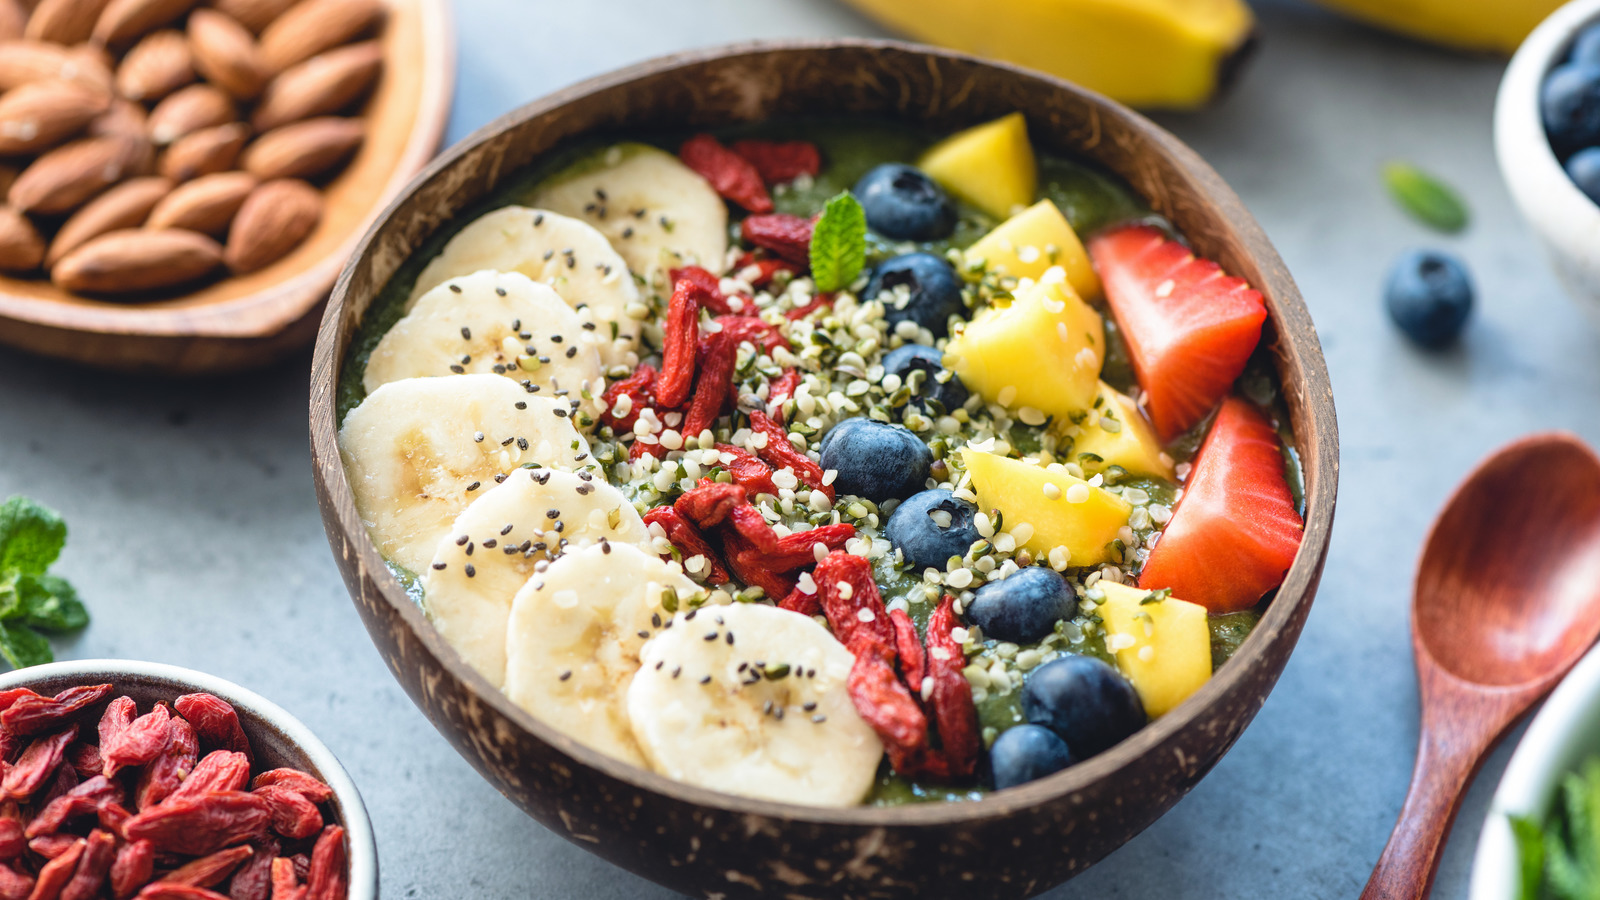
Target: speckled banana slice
[(572, 644), (502, 323), (501, 539), (556, 250), (774, 720), (657, 212), (418, 451)]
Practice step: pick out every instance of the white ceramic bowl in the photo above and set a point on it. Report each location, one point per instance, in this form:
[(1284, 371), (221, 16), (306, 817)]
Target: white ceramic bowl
[(1564, 734), (277, 738), (1567, 221)]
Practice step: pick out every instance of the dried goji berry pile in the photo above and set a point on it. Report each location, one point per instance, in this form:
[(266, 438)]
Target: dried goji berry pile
[(97, 800)]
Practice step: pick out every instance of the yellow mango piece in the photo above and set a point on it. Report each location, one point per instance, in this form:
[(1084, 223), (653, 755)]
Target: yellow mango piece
[(1163, 646), (1119, 435), (1044, 350), (990, 166), (1030, 242), (1064, 511)]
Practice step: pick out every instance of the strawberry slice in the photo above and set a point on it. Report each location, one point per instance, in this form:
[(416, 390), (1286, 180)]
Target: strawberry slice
[(1235, 532), (1190, 327)]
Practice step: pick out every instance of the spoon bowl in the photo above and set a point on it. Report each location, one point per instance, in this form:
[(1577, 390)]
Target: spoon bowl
[(1507, 600)]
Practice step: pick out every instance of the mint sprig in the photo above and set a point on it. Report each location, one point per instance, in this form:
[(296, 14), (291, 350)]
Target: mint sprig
[(31, 600), (1561, 858), (838, 244), (1429, 200)]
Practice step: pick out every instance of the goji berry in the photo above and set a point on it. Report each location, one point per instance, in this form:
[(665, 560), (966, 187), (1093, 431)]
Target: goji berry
[(741, 556), (954, 711), (113, 817), (913, 661), (209, 870), (713, 386), (136, 743), (766, 268), (782, 389), (14, 885), (780, 161), (51, 846), (37, 764), (293, 816), (118, 716), (639, 449), (327, 880), (801, 602), (746, 469), (688, 539), (709, 504), (167, 890), (780, 453), (220, 770), (638, 389), (786, 237), (30, 715), (754, 330), (710, 285), (886, 705), (85, 759), (682, 332), (302, 866), (215, 723), (731, 175), (12, 695), (12, 842), (796, 550), (92, 868), (201, 824), (295, 780), (134, 864), (58, 871), (817, 302), (64, 780), (167, 771), (851, 601), (82, 800), (253, 881), (285, 883)]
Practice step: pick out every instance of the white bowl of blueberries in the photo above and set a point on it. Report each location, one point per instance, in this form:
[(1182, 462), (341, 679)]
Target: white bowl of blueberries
[(1547, 138)]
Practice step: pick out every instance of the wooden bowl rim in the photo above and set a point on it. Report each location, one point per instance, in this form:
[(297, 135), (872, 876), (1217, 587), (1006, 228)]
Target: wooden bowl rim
[(1299, 345)]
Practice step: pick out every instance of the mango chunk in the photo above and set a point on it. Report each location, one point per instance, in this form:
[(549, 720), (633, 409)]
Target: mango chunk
[(1030, 242), (1162, 644), (1044, 350), (1064, 511), (990, 166), (1116, 433)]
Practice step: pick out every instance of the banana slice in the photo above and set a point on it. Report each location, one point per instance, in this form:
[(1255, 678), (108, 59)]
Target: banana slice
[(657, 212), (499, 322), (562, 252), (501, 539), (572, 643), (419, 450), (752, 700)]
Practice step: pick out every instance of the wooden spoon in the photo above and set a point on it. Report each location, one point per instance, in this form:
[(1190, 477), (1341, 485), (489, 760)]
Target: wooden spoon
[(1507, 599)]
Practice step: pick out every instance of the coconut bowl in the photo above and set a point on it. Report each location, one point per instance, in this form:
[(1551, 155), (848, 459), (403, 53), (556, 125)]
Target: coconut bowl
[(1014, 843)]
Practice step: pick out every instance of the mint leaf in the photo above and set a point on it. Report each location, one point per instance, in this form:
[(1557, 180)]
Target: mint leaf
[(31, 536), (1429, 200), (1530, 856), (50, 604), (839, 244), (22, 646)]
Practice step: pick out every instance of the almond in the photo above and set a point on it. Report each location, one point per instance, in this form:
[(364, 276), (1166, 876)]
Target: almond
[(312, 26), (274, 219), (323, 84), (125, 21), (304, 149), (64, 21), (125, 206), (65, 178), (24, 61), (137, 260), (41, 114), (21, 247), (253, 14), (8, 177), (190, 109), (13, 18), (155, 67), (225, 52), (124, 119), (204, 152), (206, 204)]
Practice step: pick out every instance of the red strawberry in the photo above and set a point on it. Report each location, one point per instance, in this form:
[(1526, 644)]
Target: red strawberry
[(1190, 327), (1236, 531)]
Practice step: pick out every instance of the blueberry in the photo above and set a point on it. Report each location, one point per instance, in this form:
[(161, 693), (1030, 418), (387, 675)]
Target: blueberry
[(1024, 753), (1429, 295), (1586, 49), (902, 204), (1569, 102), (921, 539), (1584, 168), (935, 291), (908, 358), (1088, 703), (876, 460), (1024, 607)]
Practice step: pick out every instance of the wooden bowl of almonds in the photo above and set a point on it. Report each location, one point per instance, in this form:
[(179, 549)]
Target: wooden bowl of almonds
[(183, 179)]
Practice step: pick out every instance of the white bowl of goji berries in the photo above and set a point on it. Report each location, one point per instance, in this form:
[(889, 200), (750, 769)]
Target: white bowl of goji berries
[(170, 783)]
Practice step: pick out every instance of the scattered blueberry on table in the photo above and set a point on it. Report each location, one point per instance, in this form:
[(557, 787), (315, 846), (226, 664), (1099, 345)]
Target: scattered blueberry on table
[(1429, 295)]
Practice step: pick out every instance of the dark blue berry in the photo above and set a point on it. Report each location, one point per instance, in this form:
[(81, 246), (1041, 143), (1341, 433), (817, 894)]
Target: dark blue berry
[(1024, 607), (903, 204), (1429, 295), (922, 540), (1088, 703), (908, 358), (1569, 102), (935, 291), (876, 460), (1584, 167), (1025, 753), (1586, 48)]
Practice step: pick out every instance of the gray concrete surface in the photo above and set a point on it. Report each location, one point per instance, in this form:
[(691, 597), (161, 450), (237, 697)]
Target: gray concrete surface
[(196, 541)]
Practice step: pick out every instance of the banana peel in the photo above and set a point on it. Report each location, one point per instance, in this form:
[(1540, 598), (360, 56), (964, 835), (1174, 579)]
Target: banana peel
[(1174, 54), (1494, 25)]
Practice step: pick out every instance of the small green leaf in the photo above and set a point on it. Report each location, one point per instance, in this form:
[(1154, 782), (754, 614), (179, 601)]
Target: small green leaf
[(1430, 200), (22, 646), (50, 604), (1530, 856), (31, 536), (839, 244)]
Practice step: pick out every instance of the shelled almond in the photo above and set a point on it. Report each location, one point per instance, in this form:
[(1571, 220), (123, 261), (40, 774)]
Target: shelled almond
[(151, 144)]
